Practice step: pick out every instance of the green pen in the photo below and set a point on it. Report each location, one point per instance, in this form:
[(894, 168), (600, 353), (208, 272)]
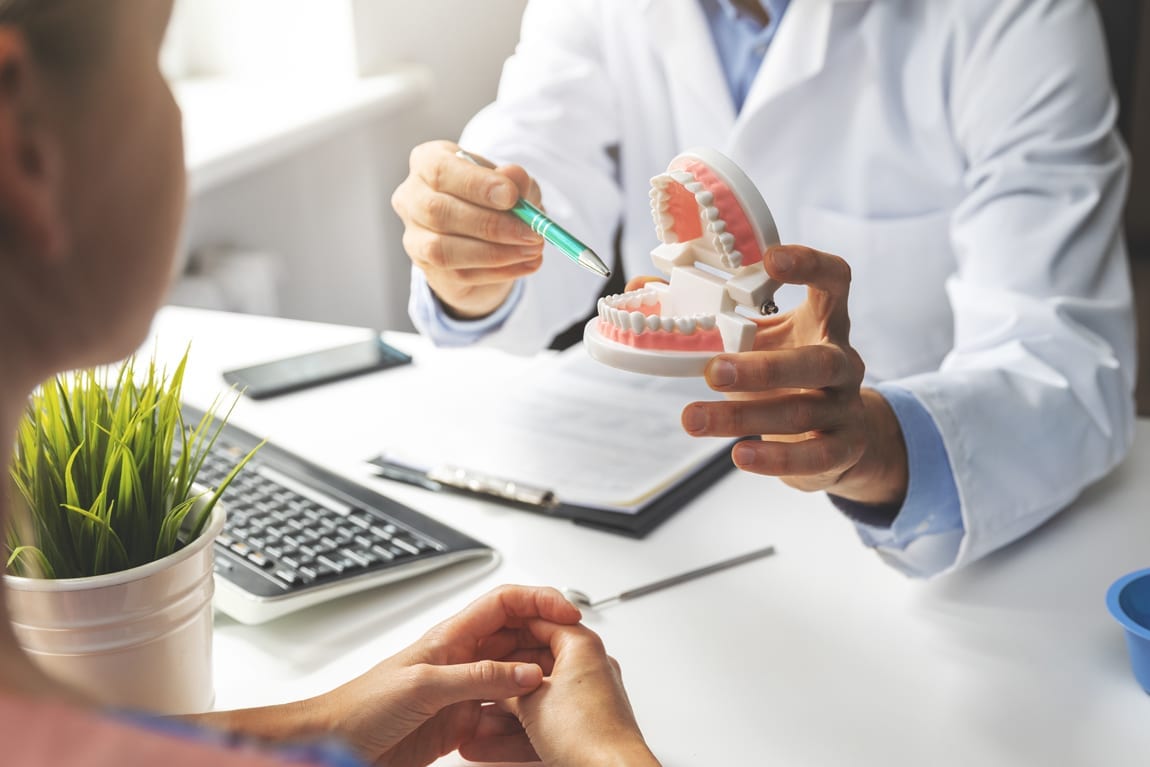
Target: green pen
[(542, 225)]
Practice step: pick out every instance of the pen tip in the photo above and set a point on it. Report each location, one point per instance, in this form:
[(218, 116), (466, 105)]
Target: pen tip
[(588, 259)]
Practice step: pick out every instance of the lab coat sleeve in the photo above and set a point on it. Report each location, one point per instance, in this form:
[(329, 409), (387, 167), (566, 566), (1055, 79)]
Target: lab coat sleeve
[(1035, 401), (443, 330), (555, 116)]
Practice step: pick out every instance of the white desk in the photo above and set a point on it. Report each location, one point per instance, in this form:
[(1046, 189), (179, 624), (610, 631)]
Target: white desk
[(819, 656)]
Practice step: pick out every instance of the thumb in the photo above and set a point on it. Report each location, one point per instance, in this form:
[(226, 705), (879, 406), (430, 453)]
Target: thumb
[(482, 680)]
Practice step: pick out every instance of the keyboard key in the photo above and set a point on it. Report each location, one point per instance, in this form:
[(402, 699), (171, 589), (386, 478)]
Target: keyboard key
[(363, 558), (258, 559), (383, 553), (287, 576), (405, 544), (336, 565)]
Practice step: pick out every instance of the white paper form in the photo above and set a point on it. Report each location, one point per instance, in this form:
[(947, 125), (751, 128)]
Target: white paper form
[(595, 436)]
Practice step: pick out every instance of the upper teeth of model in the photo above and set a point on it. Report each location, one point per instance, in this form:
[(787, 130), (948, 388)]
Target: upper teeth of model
[(623, 311), (715, 228)]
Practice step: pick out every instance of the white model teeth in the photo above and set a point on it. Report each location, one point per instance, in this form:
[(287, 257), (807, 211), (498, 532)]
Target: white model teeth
[(620, 311), (722, 241)]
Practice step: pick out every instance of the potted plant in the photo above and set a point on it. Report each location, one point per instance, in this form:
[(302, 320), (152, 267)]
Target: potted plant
[(109, 550)]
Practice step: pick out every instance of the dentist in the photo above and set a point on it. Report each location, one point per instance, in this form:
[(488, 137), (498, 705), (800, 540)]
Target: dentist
[(955, 360)]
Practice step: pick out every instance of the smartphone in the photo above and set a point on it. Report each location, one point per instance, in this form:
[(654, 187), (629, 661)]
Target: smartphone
[(315, 368)]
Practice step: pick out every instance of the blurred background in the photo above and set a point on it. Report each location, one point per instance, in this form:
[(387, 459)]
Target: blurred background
[(300, 115)]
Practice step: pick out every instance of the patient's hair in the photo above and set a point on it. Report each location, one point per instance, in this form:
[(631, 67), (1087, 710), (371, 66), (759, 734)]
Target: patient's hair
[(65, 37)]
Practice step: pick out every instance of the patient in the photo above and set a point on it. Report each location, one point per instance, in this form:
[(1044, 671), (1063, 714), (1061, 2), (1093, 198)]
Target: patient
[(91, 198)]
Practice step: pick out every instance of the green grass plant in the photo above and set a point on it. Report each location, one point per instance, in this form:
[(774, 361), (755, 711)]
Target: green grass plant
[(104, 473)]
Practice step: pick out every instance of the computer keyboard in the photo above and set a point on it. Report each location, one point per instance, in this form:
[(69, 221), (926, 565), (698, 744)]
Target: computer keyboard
[(297, 534)]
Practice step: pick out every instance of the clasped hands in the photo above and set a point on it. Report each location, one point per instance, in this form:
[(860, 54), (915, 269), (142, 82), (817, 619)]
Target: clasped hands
[(513, 677)]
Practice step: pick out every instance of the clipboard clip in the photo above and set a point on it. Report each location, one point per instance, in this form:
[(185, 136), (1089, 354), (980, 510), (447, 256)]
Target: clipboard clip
[(466, 481)]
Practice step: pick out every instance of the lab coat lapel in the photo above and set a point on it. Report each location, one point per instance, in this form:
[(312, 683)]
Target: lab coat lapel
[(797, 53), (678, 31)]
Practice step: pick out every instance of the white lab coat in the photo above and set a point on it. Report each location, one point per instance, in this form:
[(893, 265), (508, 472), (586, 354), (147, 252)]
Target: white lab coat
[(959, 155)]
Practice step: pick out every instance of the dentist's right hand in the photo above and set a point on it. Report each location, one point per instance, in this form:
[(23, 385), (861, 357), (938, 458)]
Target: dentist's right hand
[(458, 231)]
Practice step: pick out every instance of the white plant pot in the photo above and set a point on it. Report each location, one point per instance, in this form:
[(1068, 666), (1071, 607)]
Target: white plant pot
[(137, 639)]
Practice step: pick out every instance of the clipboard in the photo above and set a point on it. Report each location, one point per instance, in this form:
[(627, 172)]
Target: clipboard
[(636, 524)]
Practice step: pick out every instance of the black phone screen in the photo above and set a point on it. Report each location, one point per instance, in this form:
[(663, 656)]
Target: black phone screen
[(314, 368)]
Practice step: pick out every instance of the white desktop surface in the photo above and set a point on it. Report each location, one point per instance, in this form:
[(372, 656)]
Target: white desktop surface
[(819, 656)]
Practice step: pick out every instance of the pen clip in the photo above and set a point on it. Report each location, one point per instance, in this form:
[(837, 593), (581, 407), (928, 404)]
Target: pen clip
[(485, 484), (399, 468)]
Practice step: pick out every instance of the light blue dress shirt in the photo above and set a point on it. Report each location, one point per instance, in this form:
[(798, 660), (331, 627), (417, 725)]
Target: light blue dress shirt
[(927, 529)]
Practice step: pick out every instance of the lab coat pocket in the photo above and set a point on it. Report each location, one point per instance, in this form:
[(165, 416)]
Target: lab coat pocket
[(901, 321)]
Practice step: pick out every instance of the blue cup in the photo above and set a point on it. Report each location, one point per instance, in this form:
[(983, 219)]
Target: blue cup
[(1129, 602)]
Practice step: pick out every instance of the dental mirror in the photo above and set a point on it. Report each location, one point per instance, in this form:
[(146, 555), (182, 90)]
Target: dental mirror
[(581, 599)]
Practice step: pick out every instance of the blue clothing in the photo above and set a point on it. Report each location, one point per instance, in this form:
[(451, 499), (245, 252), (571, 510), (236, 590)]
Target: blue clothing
[(317, 754), (741, 41), (926, 530)]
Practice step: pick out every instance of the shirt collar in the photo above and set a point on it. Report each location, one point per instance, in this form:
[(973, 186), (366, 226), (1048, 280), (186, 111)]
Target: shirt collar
[(774, 7)]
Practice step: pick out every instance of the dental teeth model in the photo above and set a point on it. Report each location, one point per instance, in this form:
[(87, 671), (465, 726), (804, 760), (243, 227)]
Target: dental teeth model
[(714, 227)]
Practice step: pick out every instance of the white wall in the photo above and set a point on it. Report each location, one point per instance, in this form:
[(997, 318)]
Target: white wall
[(463, 42), (325, 212)]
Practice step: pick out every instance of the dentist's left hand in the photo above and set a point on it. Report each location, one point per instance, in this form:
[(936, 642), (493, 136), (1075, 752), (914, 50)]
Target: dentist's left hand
[(801, 392)]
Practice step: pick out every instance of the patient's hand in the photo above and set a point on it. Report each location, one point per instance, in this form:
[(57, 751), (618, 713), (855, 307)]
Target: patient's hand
[(426, 701), (579, 716)]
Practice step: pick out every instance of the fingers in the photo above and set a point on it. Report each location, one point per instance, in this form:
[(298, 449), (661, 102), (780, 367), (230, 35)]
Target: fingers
[(515, 644), (499, 737), (505, 607), (437, 164), (568, 640), (442, 686), (444, 212), (529, 602), (637, 282), (810, 392), (820, 366), (821, 458), (799, 265), (455, 217), (796, 413), (433, 250), (828, 280)]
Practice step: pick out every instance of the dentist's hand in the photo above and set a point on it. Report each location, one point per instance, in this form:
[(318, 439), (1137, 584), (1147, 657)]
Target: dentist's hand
[(458, 231), (801, 391)]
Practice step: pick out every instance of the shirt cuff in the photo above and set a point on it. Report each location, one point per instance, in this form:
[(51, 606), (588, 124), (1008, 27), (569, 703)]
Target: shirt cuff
[(922, 537), (431, 320)]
